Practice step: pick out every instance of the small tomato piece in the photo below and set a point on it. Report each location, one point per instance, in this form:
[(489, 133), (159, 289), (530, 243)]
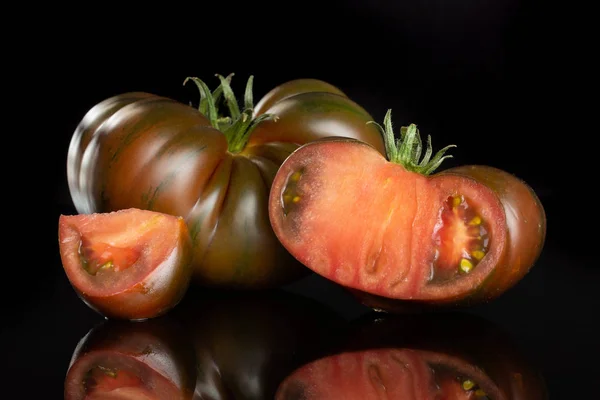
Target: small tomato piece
[(128, 264), (147, 360)]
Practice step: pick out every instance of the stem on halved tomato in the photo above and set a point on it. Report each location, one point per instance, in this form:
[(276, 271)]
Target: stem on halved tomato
[(239, 124), (406, 150)]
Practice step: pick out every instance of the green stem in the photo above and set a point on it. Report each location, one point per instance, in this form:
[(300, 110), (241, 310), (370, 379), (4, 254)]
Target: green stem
[(240, 141), (205, 94), (217, 93), (406, 150), (248, 99), (238, 126), (234, 110)]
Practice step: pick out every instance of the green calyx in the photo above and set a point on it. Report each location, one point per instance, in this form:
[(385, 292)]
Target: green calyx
[(239, 124), (406, 150)]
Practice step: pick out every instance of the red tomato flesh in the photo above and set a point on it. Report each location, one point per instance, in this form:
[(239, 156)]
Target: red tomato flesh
[(130, 264), (368, 224), (388, 374)]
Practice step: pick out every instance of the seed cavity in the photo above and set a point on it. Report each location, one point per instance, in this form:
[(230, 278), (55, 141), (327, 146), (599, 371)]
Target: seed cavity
[(99, 257), (461, 240), (290, 196), (108, 371)]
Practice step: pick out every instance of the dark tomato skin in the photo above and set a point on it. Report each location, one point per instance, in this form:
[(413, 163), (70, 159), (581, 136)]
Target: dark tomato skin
[(323, 114), (147, 258), (292, 88), (405, 353), (247, 342), (515, 212), (143, 360), (145, 151)]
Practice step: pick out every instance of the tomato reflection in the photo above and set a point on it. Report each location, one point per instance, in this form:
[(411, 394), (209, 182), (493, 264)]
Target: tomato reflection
[(246, 343), (132, 360), (439, 357)]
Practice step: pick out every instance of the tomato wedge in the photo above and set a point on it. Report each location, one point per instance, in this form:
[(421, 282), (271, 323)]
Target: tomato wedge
[(388, 230), (128, 264), (149, 360)]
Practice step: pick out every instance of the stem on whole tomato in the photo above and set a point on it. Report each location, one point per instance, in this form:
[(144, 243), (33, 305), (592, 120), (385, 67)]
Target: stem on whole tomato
[(205, 95), (406, 150), (238, 126), (216, 94)]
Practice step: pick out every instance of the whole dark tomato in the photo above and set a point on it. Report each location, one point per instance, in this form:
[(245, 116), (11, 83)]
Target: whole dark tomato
[(127, 264), (148, 360), (395, 235), (246, 343), (449, 356), (149, 152)]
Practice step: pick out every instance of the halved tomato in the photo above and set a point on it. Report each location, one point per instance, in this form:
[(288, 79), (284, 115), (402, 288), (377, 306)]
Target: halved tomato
[(388, 230), (148, 360), (128, 264)]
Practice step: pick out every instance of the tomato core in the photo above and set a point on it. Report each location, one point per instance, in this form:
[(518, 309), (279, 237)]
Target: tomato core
[(461, 239), (99, 256)]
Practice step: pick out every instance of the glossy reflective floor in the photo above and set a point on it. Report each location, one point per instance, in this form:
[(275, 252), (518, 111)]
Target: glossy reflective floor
[(312, 340)]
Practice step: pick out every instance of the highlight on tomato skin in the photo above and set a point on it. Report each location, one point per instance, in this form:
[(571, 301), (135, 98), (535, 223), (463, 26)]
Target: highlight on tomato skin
[(398, 235), (246, 342), (128, 264), (425, 356), (147, 360)]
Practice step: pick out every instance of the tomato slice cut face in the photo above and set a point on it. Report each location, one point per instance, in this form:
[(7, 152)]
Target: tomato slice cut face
[(129, 264)]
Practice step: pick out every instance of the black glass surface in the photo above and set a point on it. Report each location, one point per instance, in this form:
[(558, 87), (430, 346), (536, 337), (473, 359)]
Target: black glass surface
[(245, 344), (482, 75)]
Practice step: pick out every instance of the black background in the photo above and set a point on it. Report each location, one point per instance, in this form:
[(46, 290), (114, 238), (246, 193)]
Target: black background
[(487, 76)]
